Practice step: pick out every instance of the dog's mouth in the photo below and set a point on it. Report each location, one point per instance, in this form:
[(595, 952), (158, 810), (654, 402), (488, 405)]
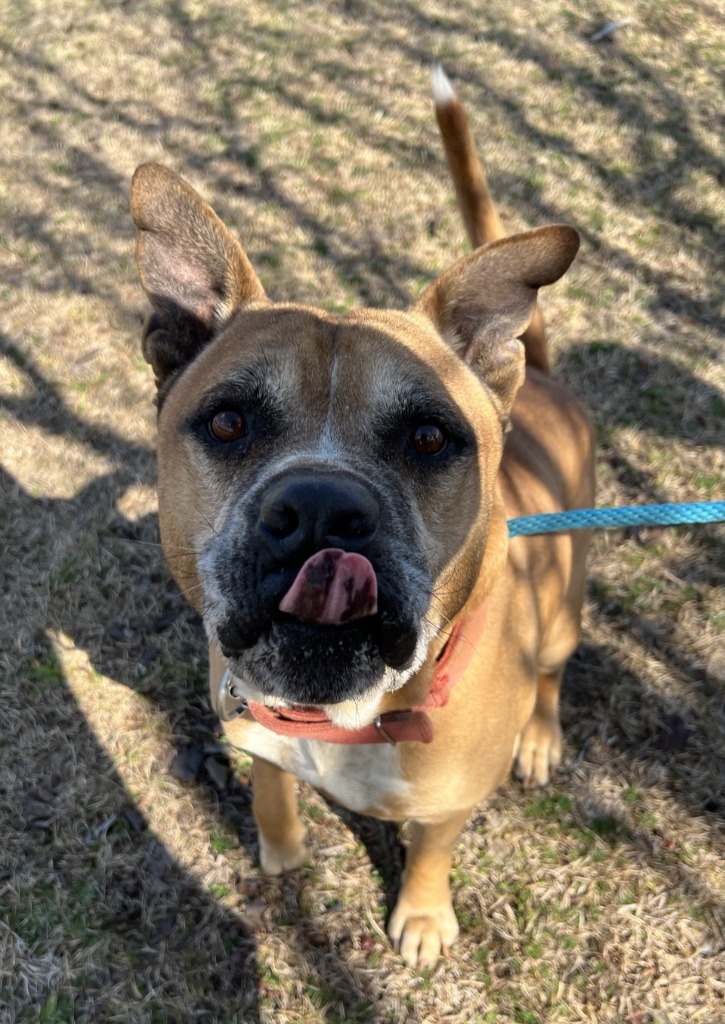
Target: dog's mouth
[(396, 642), (331, 637)]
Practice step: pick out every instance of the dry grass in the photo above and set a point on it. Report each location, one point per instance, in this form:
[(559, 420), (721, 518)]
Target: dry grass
[(127, 895)]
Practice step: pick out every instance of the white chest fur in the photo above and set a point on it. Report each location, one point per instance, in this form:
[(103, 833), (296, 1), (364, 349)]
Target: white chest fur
[(363, 778)]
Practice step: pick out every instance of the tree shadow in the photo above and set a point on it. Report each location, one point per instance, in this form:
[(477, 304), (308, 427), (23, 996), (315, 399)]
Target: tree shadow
[(654, 188), (619, 724), (81, 869)]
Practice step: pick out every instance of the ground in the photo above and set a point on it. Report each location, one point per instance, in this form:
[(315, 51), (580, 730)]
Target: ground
[(129, 887)]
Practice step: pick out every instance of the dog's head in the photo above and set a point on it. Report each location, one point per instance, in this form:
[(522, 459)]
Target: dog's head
[(326, 483)]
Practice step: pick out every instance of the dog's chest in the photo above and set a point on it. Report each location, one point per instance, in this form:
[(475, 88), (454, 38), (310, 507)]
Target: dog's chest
[(366, 778)]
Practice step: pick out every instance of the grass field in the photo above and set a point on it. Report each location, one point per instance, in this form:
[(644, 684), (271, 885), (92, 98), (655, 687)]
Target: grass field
[(130, 895)]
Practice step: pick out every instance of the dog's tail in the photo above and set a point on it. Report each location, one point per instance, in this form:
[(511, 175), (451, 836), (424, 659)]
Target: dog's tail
[(480, 216)]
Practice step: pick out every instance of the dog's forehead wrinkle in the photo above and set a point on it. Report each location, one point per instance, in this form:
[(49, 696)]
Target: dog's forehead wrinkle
[(410, 396), (252, 379), (271, 346), (328, 436), (386, 375)]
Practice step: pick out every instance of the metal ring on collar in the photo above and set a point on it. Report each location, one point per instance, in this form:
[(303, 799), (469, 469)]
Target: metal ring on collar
[(229, 701)]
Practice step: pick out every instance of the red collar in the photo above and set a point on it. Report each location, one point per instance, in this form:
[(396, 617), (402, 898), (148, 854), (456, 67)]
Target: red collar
[(413, 724)]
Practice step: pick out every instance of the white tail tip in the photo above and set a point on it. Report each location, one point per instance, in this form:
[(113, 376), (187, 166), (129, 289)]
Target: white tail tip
[(443, 91)]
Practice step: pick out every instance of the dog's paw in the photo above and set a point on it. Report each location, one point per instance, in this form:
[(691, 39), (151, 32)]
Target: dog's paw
[(276, 858), (538, 751), (420, 934)]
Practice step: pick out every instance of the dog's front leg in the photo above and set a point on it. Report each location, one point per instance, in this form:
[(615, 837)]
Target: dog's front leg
[(423, 924), (281, 832)]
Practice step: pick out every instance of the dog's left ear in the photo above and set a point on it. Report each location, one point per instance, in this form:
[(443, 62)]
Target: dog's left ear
[(193, 270), (485, 301)]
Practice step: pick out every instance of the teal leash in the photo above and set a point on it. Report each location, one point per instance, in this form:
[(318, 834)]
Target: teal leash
[(618, 518)]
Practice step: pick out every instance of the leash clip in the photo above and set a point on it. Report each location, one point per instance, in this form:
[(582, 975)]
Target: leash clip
[(229, 701), (378, 723)]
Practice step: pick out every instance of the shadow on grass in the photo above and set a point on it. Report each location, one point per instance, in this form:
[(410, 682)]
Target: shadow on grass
[(618, 82), (614, 719), (635, 388), (81, 874)]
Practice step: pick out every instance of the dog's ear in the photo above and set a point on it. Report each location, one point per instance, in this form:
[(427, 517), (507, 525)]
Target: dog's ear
[(486, 300), (192, 269)]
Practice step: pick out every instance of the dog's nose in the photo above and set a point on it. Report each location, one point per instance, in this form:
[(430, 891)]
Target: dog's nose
[(305, 512)]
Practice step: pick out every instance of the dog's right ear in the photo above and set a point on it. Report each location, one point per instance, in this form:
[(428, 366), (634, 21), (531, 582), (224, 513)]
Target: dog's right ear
[(193, 270)]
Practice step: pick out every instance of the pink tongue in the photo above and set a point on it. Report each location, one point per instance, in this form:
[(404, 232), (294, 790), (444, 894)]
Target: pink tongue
[(333, 586)]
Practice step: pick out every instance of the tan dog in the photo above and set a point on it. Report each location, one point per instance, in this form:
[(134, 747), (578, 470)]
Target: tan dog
[(333, 497)]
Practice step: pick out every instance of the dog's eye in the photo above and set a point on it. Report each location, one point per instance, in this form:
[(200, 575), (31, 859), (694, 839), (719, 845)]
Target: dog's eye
[(228, 425), (428, 439)]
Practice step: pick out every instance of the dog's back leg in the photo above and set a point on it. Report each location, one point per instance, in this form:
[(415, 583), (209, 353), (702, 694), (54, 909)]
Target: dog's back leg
[(478, 210), (538, 749)]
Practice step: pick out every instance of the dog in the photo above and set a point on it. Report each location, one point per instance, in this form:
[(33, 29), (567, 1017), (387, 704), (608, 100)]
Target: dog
[(334, 493)]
